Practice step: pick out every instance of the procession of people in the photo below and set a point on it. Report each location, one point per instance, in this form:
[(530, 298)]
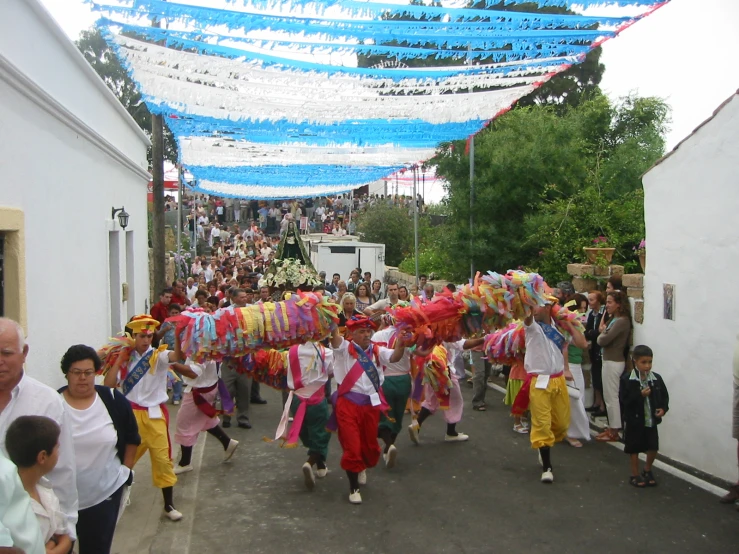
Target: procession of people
[(361, 381)]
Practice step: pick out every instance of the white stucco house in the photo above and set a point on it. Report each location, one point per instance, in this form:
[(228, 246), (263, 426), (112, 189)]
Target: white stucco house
[(690, 205), (69, 154)]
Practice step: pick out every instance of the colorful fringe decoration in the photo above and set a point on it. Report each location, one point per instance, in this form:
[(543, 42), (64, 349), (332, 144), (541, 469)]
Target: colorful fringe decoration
[(507, 345), (270, 368), (112, 350), (491, 302), (436, 375), (235, 332)]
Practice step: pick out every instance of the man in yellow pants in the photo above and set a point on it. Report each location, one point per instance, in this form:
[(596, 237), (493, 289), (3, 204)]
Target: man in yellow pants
[(549, 402), (141, 374)]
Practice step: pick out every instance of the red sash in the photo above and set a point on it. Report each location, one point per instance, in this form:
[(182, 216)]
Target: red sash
[(521, 403), (355, 373), (203, 405), (316, 398), (165, 413)]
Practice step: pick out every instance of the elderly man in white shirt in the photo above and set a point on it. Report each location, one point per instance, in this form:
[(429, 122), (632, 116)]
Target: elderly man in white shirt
[(19, 528), (23, 395)]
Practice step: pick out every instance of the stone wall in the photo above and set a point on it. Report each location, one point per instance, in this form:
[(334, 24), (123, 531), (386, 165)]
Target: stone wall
[(394, 274), (588, 277)]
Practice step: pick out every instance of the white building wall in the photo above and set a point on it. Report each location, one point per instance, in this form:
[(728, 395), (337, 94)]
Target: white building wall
[(31, 40), (691, 201), (66, 181)]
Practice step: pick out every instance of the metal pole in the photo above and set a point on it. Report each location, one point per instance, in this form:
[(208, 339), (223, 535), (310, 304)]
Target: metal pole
[(472, 182), (472, 203), (179, 221), (415, 221), (351, 205)]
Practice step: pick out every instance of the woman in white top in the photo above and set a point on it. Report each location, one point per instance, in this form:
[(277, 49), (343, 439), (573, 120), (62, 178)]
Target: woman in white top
[(105, 438)]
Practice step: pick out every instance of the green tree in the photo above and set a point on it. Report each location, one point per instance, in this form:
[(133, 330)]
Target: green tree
[(548, 181), (388, 225), (103, 60)]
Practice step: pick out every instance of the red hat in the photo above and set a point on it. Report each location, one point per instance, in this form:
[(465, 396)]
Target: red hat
[(360, 322)]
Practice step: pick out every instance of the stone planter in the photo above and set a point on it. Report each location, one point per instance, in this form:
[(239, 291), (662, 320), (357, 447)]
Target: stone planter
[(643, 261), (594, 253)]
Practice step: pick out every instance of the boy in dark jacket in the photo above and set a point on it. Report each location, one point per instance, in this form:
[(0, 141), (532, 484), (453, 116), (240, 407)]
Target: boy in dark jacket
[(645, 401)]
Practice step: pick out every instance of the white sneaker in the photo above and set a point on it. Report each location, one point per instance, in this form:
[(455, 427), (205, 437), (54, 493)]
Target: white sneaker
[(547, 476), (176, 403), (182, 469), (456, 438), (413, 430), (173, 515), (355, 497), (230, 449), (392, 453), (321, 473), (362, 477), (290, 419), (308, 477)]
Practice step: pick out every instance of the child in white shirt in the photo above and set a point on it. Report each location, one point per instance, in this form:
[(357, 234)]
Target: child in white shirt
[(32, 443)]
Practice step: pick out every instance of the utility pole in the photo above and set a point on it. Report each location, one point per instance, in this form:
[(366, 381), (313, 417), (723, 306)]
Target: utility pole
[(415, 218), (180, 190), (472, 204), (472, 184), (157, 216)]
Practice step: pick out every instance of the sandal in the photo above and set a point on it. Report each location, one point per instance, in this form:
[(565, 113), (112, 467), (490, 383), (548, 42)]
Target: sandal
[(648, 478), (637, 481), (609, 435), (520, 429), (479, 408), (574, 442)]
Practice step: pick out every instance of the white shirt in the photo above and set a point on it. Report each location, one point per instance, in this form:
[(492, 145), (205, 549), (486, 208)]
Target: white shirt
[(209, 274), (18, 524), (393, 369), (31, 397), (191, 292), (454, 350), (343, 362), (207, 375), (266, 251), (316, 364), (542, 356), (48, 514), (151, 390), (380, 305), (99, 470)]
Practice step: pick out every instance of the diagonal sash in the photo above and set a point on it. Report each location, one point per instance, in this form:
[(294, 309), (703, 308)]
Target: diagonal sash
[(136, 374), (553, 335), (369, 368)]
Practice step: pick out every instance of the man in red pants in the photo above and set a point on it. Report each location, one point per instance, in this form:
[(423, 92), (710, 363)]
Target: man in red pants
[(359, 398)]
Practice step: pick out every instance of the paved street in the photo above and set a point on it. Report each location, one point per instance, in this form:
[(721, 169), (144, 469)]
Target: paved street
[(479, 496)]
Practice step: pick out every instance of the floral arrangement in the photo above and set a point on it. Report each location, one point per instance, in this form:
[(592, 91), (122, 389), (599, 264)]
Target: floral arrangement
[(601, 242), (642, 248), (289, 272)]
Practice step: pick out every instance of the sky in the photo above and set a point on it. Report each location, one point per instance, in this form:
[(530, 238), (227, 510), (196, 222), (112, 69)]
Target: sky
[(685, 53)]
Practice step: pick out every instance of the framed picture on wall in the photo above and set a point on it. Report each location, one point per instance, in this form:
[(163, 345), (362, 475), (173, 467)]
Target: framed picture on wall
[(669, 301)]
